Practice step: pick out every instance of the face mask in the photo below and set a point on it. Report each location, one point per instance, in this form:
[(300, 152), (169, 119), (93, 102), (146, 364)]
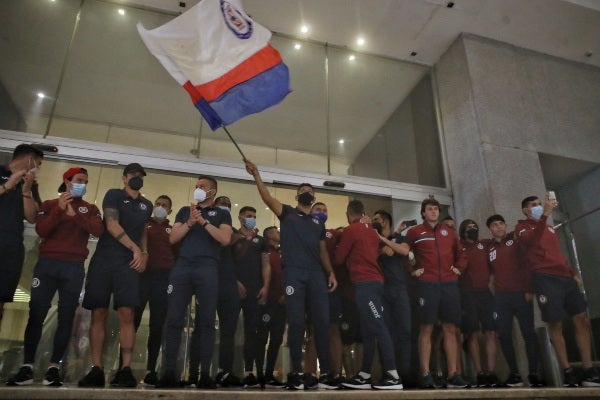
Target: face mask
[(160, 212), (250, 223), (378, 227), (536, 212), (78, 189), (225, 208), (136, 183), (306, 199), (321, 216), (472, 233), (200, 195)]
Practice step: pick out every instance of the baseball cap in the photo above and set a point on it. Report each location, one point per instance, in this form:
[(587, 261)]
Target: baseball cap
[(134, 167), (71, 172)]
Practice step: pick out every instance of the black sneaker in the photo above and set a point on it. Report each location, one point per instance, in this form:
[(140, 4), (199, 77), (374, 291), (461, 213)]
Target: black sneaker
[(388, 382), (493, 380), (571, 378), (271, 382), (457, 381), (295, 381), (535, 381), (206, 382), (310, 381), (482, 379), (22, 378), (439, 382), (150, 379), (358, 382), (94, 378), (167, 380), (124, 378), (227, 379), (427, 381), (328, 382), (52, 377), (514, 380), (591, 378), (192, 379), (250, 382)]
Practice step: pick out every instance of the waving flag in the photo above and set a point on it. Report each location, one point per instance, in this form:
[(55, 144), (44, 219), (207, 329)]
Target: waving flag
[(222, 58)]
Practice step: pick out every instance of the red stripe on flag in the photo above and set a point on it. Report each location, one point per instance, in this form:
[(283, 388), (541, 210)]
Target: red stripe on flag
[(259, 62)]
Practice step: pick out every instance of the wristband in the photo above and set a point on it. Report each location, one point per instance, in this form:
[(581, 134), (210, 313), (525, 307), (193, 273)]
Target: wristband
[(119, 236)]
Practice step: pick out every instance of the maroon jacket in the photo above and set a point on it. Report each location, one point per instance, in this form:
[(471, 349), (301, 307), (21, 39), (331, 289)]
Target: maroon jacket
[(507, 266), (436, 250), (161, 254), (476, 276), (541, 249), (359, 249), (65, 237), (276, 284)]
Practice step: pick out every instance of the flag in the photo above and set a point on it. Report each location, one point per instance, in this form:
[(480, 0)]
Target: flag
[(222, 58)]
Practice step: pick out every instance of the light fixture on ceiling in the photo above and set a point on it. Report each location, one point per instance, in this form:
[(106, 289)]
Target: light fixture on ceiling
[(360, 41), (236, 205), (341, 141), (297, 46), (41, 95), (450, 4), (413, 53), (351, 57), (304, 29), (121, 11)]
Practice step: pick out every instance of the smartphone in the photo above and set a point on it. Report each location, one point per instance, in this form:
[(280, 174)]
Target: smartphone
[(412, 222), (551, 195)]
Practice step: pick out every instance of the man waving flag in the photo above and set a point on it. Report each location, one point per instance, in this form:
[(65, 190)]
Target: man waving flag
[(222, 58)]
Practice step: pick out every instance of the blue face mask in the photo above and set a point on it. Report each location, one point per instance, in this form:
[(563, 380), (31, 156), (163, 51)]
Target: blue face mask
[(321, 216), (250, 223), (78, 189), (536, 212)]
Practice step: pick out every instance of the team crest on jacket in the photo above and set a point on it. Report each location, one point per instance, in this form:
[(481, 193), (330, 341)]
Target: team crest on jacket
[(212, 213), (35, 282), (444, 232), (542, 299), (236, 21), (289, 290), (83, 210), (479, 246), (421, 301), (143, 206), (255, 240), (266, 318), (168, 230), (510, 242)]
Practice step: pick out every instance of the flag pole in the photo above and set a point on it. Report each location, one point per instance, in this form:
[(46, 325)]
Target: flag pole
[(234, 143)]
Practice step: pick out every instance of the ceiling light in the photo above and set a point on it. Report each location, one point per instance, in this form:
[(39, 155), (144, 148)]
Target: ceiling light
[(351, 57), (297, 46), (413, 53), (304, 29), (360, 41), (341, 141), (121, 11), (41, 95), (236, 204)]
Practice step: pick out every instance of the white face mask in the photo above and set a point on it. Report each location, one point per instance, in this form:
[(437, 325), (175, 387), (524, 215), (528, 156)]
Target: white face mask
[(200, 195), (160, 212)]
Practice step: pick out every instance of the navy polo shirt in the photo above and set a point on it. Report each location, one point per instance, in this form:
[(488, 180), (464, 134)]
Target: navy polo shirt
[(394, 271), (198, 243), (133, 216), (300, 237), (11, 211), (249, 264)]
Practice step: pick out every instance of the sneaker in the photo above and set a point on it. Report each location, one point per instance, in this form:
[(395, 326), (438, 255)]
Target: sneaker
[(458, 381), (167, 380), (22, 378), (227, 379), (310, 381), (439, 382), (427, 381), (535, 381), (388, 382), (358, 382), (591, 377), (124, 379), (94, 378), (206, 382), (150, 379), (328, 382), (52, 377), (250, 382), (571, 378), (295, 381), (514, 380), (492, 380), (271, 382), (482, 379)]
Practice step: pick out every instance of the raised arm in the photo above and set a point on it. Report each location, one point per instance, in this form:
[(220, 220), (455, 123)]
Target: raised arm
[(271, 202)]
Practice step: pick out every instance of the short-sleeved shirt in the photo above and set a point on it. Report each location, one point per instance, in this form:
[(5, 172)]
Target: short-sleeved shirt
[(248, 256), (11, 211), (393, 268), (161, 253), (301, 235), (198, 243), (133, 216)]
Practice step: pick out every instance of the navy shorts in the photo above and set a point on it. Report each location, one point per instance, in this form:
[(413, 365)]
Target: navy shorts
[(108, 276), (558, 296), (477, 311), (10, 270), (438, 300)]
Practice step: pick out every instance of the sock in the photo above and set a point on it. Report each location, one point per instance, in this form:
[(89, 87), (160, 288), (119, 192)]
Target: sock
[(393, 373), (364, 375)]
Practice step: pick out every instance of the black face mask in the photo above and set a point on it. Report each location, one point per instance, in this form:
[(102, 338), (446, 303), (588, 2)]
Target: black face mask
[(136, 183), (378, 227), (306, 199), (472, 233)]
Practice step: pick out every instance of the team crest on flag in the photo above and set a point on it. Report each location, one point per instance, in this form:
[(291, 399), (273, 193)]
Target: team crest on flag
[(235, 20)]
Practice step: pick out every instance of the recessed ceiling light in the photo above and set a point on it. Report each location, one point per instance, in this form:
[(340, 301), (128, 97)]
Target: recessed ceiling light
[(360, 41), (351, 57), (121, 11), (297, 46), (41, 95), (341, 141), (413, 53), (304, 29), (236, 204)]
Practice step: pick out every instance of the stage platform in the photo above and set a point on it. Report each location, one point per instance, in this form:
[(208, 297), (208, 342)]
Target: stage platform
[(39, 392)]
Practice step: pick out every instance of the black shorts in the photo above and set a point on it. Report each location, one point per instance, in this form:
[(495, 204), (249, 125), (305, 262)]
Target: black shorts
[(108, 276), (349, 324), (438, 300), (336, 307), (477, 311), (558, 296), (10, 270)]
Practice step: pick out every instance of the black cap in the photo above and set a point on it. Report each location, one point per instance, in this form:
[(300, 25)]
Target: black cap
[(134, 167)]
